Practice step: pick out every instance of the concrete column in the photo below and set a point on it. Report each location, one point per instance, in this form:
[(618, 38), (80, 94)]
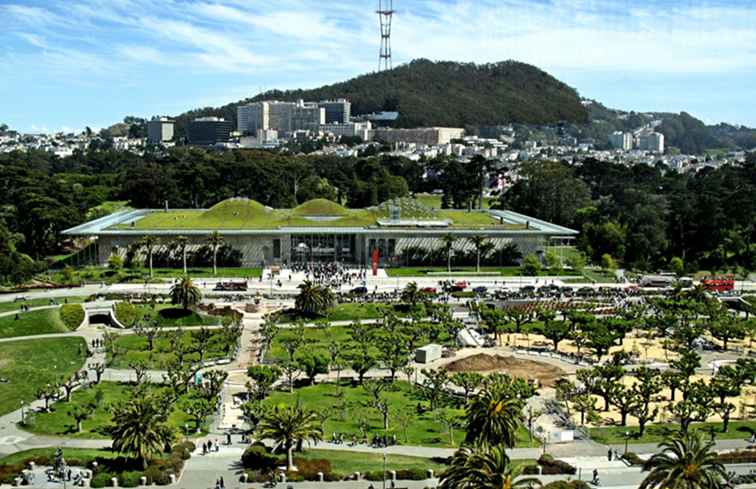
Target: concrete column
[(321, 477), (173, 478), (430, 473), (357, 476), (393, 475), (114, 481), (143, 479)]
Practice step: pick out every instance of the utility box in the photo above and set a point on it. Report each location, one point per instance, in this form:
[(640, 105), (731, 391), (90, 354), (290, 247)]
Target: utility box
[(428, 353)]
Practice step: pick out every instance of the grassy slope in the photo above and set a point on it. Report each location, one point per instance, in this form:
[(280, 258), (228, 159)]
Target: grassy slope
[(169, 316), (346, 462), (59, 422), (31, 364), (503, 271), (15, 306), (135, 348), (45, 321), (341, 312), (420, 430), (83, 454), (656, 433)]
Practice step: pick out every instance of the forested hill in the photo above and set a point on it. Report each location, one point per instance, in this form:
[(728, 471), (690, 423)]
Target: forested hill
[(449, 94)]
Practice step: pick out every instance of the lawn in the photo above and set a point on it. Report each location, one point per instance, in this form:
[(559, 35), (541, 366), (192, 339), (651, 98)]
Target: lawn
[(463, 271), (165, 315), (341, 312), (85, 455), (318, 340), (345, 462), (131, 348), (656, 432), (58, 422), (15, 306), (45, 321), (345, 408), (27, 365)]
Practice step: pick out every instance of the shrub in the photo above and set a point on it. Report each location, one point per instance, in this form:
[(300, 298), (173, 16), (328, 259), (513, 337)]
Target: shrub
[(101, 479), (633, 458), (552, 466), (309, 469), (156, 475), (412, 474), (126, 313), (258, 457), (130, 479), (531, 470), (72, 315), (737, 457), (567, 485)]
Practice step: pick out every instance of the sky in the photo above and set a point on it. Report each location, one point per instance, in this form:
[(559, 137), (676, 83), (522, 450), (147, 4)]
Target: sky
[(69, 64)]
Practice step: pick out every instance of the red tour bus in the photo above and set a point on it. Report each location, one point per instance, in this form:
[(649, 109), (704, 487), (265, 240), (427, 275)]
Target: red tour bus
[(719, 283)]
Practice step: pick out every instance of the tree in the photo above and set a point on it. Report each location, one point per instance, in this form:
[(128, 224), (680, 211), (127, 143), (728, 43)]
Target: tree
[(484, 468), (677, 266), (608, 263), (494, 414), (556, 332), (553, 261), (48, 392), (313, 299), (140, 370), (468, 381), (182, 242), (686, 461), (450, 420), (149, 242), (478, 242), (139, 428), (623, 399), (264, 376), (645, 392), (695, 406), (149, 330), (312, 364), (289, 426), (290, 369), (69, 385), (531, 265), (448, 240), (99, 369), (361, 361), (393, 352), (601, 379), (184, 292), (197, 408), (585, 404), (724, 327), (212, 384), (215, 241), (80, 413), (434, 386), (411, 294)]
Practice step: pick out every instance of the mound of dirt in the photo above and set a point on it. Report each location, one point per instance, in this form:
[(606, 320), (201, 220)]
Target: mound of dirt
[(545, 373)]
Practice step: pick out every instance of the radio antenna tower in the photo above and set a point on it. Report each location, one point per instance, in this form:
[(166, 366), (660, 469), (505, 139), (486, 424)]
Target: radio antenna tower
[(385, 13)]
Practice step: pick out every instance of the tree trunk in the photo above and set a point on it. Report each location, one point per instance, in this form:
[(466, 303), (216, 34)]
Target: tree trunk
[(290, 457), (725, 422), (477, 263), (184, 258), (606, 403), (448, 262), (215, 261), (78, 426), (641, 427)]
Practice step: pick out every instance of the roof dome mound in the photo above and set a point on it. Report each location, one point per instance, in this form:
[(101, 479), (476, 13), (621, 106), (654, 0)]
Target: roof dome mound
[(236, 208), (319, 207)]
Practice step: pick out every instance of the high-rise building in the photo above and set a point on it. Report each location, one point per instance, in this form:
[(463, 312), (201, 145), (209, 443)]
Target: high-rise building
[(621, 140), (651, 141), (337, 111), (159, 130), (283, 117), (207, 131)]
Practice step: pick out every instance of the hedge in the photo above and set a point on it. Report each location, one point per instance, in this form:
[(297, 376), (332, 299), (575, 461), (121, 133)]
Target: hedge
[(552, 466), (72, 315), (126, 313)]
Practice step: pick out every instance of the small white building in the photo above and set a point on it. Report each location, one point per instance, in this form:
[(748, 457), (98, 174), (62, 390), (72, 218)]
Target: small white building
[(428, 353)]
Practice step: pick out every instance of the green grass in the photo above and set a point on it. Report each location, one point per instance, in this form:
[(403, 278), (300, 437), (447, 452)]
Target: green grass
[(318, 339), (135, 348), (170, 316), (28, 365), (85, 455), (599, 276), (345, 412), (15, 306), (341, 312), (462, 270), (45, 321), (58, 422), (345, 462), (433, 201), (656, 432)]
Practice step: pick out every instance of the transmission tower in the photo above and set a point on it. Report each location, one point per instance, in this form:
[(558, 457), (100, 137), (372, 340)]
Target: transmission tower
[(385, 13)]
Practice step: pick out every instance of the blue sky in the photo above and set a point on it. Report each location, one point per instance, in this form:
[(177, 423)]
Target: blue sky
[(69, 64)]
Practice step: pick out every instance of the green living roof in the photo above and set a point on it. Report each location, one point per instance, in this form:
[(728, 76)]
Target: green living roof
[(239, 214)]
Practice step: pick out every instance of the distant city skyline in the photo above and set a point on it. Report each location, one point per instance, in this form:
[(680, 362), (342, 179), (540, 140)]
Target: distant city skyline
[(67, 65)]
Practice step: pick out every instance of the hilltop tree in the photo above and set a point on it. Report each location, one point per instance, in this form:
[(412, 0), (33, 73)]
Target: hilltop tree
[(184, 292)]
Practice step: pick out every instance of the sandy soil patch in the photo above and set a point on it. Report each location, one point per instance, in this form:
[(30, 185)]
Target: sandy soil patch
[(545, 374)]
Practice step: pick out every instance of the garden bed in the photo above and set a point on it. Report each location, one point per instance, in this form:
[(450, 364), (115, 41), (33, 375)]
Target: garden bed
[(545, 373)]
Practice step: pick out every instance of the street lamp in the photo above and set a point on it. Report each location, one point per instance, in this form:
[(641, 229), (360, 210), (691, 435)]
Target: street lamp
[(627, 439), (22, 411)]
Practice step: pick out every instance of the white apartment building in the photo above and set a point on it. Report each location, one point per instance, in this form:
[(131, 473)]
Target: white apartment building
[(651, 141), (429, 136), (621, 140), (350, 129), (283, 117)]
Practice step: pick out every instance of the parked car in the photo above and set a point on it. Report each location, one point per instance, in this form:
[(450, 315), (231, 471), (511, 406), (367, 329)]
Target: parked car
[(359, 291), (429, 290), (480, 290)]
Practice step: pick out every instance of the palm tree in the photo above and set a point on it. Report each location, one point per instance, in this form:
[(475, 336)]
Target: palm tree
[(182, 242), (184, 292), (139, 428), (494, 415), (411, 293), (215, 241), (484, 469), (448, 240), (685, 462), (149, 242), (478, 242), (313, 299), (288, 426)]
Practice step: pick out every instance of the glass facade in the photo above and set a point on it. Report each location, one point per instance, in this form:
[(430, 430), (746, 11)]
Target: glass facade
[(324, 248)]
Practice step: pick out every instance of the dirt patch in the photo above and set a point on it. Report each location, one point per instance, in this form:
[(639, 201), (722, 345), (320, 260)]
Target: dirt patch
[(5, 362), (545, 373)]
